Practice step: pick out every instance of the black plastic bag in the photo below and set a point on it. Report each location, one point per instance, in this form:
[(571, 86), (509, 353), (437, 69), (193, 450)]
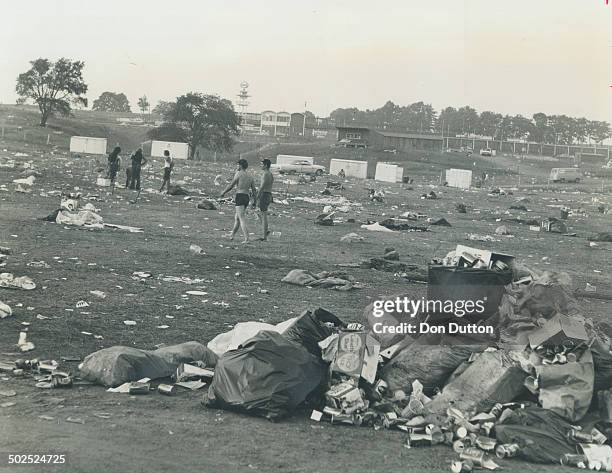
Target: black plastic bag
[(269, 376), (540, 434), (310, 328), (432, 365)]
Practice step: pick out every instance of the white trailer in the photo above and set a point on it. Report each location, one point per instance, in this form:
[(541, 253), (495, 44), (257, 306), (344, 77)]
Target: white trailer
[(282, 159), (177, 150), (88, 145), (459, 178), (351, 168), (388, 172)]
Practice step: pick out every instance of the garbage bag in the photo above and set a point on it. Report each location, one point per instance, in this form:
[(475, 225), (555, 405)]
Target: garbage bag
[(242, 332), (540, 434), (310, 328), (116, 365), (186, 353), (493, 377), (602, 361), (269, 376), (430, 364), (567, 389)]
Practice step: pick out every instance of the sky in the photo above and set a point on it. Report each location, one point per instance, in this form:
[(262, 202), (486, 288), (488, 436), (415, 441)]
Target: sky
[(514, 57)]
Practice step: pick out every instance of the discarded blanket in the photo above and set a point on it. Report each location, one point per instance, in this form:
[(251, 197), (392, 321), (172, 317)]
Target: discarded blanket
[(82, 218), (269, 377), (334, 280), (117, 365)]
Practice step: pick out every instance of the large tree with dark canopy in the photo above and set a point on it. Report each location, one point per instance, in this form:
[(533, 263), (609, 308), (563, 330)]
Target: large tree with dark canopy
[(53, 86), (112, 102), (200, 120)]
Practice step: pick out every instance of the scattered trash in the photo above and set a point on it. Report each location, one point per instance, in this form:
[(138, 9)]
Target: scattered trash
[(5, 310), (196, 250), (8, 281), (23, 344)]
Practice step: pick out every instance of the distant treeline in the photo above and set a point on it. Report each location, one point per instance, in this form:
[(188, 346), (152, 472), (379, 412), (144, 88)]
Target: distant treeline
[(421, 117)]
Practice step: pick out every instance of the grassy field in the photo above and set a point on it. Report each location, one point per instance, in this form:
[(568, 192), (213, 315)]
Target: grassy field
[(156, 433)]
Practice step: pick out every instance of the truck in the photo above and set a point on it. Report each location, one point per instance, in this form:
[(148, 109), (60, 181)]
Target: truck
[(565, 175)]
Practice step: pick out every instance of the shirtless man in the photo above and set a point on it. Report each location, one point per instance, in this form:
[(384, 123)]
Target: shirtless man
[(244, 185), (264, 198)]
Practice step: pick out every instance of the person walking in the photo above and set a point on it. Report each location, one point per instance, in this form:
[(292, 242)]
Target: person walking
[(264, 197), (168, 167), (245, 185), (138, 161)]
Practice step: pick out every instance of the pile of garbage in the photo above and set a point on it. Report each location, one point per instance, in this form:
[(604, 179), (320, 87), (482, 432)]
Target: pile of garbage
[(540, 390)]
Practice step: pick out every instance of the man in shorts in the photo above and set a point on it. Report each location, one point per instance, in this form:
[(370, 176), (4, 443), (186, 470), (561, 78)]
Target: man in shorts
[(245, 185), (168, 167), (264, 197)]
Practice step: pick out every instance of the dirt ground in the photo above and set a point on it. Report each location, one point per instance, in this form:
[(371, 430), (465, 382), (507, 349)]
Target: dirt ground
[(157, 433)]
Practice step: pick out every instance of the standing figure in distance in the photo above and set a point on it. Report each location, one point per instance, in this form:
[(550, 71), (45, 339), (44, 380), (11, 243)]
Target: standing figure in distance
[(244, 185), (168, 166), (138, 160), (264, 197)]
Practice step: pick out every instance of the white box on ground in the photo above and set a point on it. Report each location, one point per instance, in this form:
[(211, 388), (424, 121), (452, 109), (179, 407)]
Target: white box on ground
[(460, 178), (87, 145), (177, 150), (282, 159), (388, 172), (351, 168), (103, 182)]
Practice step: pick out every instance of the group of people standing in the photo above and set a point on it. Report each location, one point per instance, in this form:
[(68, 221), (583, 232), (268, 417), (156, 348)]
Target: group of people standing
[(246, 192), (133, 172)]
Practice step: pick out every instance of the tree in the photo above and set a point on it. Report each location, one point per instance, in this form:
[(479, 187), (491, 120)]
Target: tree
[(143, 104), (200, 120), (53, 86), (600, 131), (162, 108), (112, 102), (488, 123)]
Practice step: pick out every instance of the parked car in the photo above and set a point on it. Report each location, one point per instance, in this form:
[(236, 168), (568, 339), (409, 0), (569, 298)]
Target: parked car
[(486, 152), (565, 175), (298, 167)]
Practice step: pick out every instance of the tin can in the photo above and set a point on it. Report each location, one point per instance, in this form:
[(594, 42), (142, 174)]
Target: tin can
[(598, 437), (61, 380), (166, 389), (573, 459), (472, 454), (507, 450), (458, 446), (578, 436)]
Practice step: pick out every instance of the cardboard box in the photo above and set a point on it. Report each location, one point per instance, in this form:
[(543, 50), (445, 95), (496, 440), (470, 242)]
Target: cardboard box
[(489, 257), (103, 182), (186, 372), (557, 330), (357, 355), (345, 397)]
